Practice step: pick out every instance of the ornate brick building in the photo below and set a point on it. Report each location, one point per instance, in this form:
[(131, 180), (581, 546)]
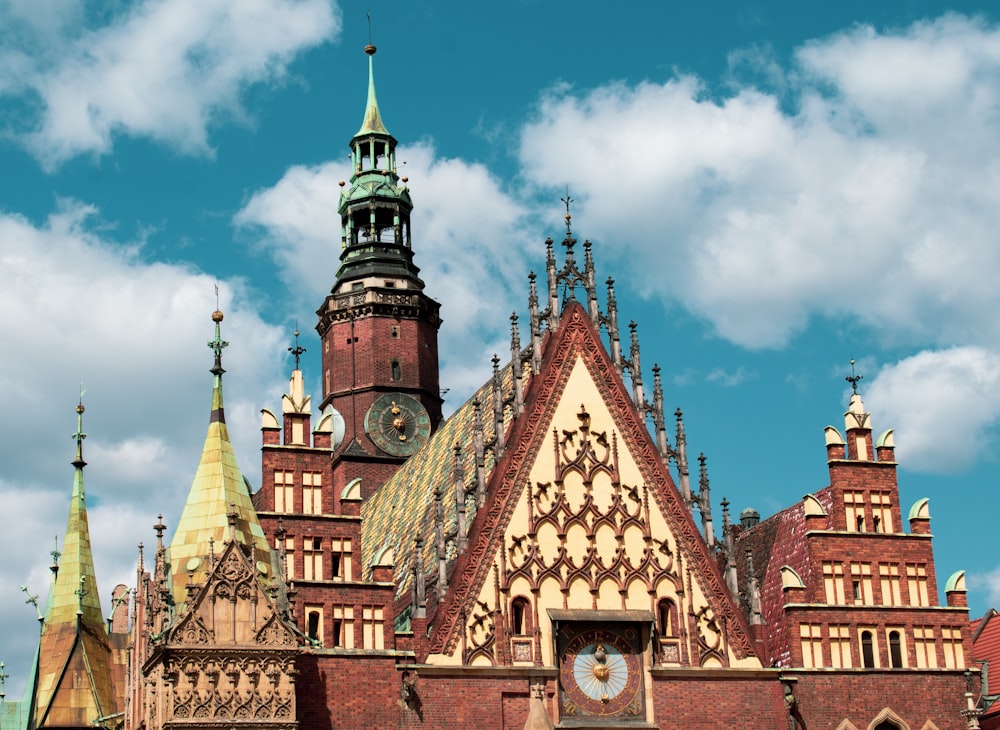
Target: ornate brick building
[(532, 561)]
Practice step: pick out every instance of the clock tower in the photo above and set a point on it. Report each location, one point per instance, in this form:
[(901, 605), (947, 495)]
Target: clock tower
[(378, 327)]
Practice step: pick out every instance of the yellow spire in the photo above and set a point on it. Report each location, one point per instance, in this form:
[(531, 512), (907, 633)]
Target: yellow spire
[(373, 118), (217, 490), (74, 667)]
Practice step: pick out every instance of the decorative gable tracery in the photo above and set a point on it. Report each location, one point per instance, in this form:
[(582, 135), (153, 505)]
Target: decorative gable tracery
[(581, 513), (229, 658)]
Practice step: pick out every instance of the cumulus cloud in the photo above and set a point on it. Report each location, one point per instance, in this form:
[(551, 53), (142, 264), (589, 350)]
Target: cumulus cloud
[(867, 190), (164, 69), (469, 240), (858, 186), (943, 405), (80, 306)]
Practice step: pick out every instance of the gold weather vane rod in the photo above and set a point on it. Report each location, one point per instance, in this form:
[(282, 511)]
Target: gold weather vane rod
[(298, 349), (854, 378), (567, 201)]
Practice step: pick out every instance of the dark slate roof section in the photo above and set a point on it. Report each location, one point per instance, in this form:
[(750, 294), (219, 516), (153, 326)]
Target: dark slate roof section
[(775, 542)]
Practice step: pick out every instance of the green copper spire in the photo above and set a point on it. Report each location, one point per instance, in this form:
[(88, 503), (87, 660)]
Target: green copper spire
[(373, 118), (74, 670), (217, 489)]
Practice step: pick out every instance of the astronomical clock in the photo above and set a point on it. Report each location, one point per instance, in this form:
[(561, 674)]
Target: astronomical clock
[(600, 670), (398, 424)]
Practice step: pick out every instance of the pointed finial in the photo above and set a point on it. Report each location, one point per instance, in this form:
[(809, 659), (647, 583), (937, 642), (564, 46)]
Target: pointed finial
[(217, 344), (33, 601), (160, 529), (79, 436), (569, 217), (55, 553), (854, 378), (3, 681), (80, 593), (298, 349)]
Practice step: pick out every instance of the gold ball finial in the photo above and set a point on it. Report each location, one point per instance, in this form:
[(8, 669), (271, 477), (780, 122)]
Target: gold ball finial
[(217, 316), (370, 49), (80, 409)]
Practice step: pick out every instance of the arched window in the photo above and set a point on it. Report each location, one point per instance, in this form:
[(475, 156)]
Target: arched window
[(520, 616), (666, 618), (314, 624), (867, 649), (396, 374), (895, 650)]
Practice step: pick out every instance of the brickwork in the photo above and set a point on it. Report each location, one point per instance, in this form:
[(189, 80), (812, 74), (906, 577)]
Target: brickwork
[(824, 699)]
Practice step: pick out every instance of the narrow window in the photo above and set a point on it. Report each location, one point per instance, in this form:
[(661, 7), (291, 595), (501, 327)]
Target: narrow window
[(665, 617), (341, 557), (519, 616), (314, 623), (395, 370), (394, 332), (895, 650), (867, 649)]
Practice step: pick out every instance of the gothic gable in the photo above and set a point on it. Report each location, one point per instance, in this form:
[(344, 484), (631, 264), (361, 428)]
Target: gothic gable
[(582, 516), (231, 607)]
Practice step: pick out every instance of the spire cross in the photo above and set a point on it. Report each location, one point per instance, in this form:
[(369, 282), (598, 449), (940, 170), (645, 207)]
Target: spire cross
[(297, 350), (853, 378), (33, 601)]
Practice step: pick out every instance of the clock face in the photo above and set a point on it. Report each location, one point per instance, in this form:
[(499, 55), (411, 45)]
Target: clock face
[(600, 670), (398, 424)]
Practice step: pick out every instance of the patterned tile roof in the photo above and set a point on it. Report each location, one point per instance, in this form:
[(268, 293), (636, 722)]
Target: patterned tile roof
[(217, 487), (403, 508)]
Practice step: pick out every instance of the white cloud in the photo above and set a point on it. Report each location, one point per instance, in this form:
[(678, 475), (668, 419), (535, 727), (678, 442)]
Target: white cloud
[(81, 307), (943, 404), (990, 582), (163, 69), (875, 198), (469, 241)]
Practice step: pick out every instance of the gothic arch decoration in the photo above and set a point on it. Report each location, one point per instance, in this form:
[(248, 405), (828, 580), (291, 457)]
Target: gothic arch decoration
[(499, 562), (888, 720), (230, 657), (846, 724)]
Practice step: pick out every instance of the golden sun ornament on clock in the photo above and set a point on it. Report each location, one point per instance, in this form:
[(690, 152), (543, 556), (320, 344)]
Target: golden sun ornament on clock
[(398, 424)]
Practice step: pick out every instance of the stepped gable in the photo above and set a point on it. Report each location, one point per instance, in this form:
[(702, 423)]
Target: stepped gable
[(575, 340), (402, 510)]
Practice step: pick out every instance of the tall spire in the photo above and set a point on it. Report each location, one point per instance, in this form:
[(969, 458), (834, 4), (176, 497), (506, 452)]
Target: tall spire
[(376, 207), (373, 118), (74, 672), (217, 488)]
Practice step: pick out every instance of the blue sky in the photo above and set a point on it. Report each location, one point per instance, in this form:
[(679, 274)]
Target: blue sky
[(775, 187)]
